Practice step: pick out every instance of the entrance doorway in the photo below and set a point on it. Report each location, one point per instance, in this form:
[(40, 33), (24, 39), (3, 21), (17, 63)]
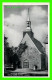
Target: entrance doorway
[(26, 64)]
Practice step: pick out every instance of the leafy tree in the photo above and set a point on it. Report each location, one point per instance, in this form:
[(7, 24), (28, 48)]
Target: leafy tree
[(6, 45), (8, 52), (22, 47), (12, 54)]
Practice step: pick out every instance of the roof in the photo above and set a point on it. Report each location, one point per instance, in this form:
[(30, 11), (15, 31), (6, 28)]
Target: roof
[(38, 45)]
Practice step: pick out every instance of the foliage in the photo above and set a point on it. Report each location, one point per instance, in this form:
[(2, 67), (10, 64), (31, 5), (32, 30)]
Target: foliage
[(12, 54), (22, 47), (8, 52)]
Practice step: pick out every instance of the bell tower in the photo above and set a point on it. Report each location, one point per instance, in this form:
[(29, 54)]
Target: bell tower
[(28, 28), (28, 22)]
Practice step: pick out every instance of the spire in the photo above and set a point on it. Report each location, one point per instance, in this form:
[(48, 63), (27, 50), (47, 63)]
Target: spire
[(28, 16)]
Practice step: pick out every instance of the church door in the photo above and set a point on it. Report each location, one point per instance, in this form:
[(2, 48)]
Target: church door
[(25, 64)]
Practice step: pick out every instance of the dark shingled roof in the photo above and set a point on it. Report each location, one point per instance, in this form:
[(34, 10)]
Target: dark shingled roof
[(38, 44)]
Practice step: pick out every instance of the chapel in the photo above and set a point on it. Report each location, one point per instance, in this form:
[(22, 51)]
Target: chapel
[(34, 57)]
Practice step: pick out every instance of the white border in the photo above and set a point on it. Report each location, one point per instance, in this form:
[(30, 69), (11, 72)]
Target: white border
[(48, 40), (25, 3)]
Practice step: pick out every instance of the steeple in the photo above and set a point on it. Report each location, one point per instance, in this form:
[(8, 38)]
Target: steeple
[(28, 29), (28, 15), (28, 22)]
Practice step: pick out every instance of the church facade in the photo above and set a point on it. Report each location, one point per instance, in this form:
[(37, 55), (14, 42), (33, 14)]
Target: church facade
[(34, 56)]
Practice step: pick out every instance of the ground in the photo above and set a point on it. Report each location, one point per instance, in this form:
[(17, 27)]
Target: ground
[(26, 72)]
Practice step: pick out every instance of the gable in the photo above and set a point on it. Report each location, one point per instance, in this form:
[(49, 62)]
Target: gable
[(29, 42)]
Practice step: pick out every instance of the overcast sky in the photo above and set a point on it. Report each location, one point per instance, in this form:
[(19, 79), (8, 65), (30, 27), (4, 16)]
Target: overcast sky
[(15, 19)]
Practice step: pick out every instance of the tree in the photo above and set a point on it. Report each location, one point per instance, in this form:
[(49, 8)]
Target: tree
[(8, 52), (15, 61), (22, 47), (6, 45), (12, 54)]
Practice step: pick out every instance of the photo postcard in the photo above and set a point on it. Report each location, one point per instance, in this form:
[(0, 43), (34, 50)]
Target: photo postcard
[(26, 40)]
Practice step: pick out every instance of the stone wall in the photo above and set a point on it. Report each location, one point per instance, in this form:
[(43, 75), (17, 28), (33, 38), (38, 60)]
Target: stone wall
[(33, 56)]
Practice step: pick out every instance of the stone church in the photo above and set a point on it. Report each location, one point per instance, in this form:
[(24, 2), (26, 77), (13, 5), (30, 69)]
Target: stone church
[(34, 56)]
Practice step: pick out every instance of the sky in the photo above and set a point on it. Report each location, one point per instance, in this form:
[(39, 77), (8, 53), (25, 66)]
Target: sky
[(15, 18)]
